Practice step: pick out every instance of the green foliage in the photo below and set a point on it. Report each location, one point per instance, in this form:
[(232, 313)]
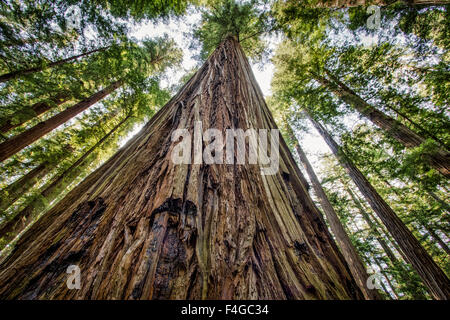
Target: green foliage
[(241, 19)]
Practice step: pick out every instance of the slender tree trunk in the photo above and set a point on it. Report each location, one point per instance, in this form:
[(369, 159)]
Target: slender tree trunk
[(437, 239), (344, 243), (11, 193), (372, 226), (418, 126), (381, 3), (144, 227), (439, 159), (423, 224), (38, 109), (442, 202), (391, 286), (17, 143), (432, 276), (14, 74), (11, 228)]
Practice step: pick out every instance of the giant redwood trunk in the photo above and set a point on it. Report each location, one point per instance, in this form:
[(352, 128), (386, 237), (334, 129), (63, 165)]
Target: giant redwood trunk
[(143, 227), (348, 250), (11, 228), (439, 160), (38, 109), (17, 143), (432, 276)]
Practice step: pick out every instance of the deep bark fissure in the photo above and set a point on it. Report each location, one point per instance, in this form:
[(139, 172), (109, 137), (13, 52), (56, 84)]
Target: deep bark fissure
[(11, 228), (239, 244)]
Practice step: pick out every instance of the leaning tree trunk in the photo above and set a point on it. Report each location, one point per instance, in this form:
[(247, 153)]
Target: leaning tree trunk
[(372, 227), (38, 109), (18, 73), (381, 3), (17, 143), (15, 190), (11, 228), (143, 227), (432, 276), (348, 250), (439, 159)]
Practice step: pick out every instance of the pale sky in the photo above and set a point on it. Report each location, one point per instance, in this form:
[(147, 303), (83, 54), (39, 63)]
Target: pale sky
[(311, 142)]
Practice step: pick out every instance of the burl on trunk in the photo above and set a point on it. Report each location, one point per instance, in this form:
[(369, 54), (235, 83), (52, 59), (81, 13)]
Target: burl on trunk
[(142, 227)]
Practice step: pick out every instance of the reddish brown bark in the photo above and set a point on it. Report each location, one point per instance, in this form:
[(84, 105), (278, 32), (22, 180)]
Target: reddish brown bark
[(143, 227), (432, 276), (38, 109), (17, 143), (11, 228), (348, 250)]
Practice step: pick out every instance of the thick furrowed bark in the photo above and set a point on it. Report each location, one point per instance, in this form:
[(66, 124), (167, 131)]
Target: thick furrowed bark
[(439, 160), (38, 109), (348, 250), (142, 227), (11, 228), (432, 276), (17, 143)]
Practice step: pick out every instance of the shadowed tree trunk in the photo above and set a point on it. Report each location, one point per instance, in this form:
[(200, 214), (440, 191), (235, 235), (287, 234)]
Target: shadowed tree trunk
[(11, 228), (38, 109), (372, 226), (437, 238), (348, 250), (439, 159), (432, 276), (14, 74), (17, 143), (143, 227), (16, 189)]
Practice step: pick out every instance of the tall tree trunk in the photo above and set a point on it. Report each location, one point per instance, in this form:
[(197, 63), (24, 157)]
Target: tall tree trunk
[(372, 226), (442, 202), (381, 3), (391, 286), (344, 243), (12, 192), (418, 126), (11, 228), (143, 227), (17, 143), (439, 159), (38, 109), (437, 238), (14, 74), (432, 276)]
